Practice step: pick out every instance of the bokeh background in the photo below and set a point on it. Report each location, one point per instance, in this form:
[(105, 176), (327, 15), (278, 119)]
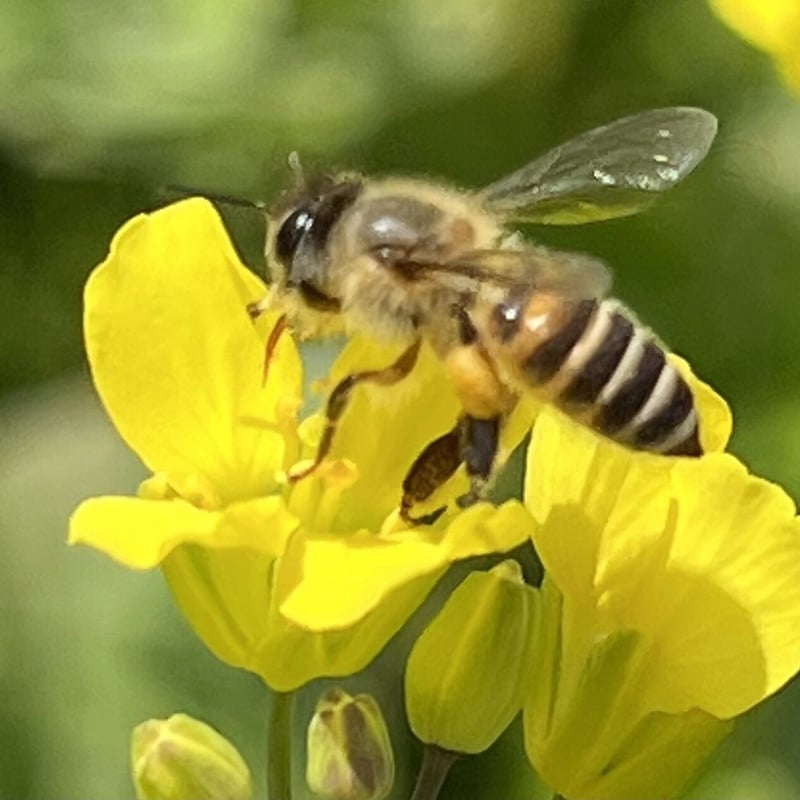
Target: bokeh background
[(104, 103)]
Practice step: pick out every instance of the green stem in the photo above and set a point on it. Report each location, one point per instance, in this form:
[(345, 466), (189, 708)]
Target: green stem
[(279, 747), (433, 771)]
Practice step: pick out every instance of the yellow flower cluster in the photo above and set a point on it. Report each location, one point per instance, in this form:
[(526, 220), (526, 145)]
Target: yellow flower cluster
[(290, 582), (772, 26), (671, 602)]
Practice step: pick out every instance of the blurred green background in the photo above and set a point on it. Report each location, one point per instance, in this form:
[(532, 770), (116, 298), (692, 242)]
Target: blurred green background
[(103, 103)]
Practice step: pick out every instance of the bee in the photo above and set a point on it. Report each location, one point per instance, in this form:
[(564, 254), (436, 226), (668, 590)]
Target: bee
[(408, 260)]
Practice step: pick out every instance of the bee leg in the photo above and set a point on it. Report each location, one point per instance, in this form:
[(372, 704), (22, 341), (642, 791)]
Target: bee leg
[(473, 442), (272, 343), (478, 449), (431, 468), (340, 396)]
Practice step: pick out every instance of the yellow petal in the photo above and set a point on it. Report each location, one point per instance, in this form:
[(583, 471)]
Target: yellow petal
[(733, 574), (292, 655), (229, 598), (331, 582), (225, 595), (141, 533), (696, 553), (716, 421), (661, 756), (575, 480), (485, 529), (175, 357), (773, 25), (589, 732)]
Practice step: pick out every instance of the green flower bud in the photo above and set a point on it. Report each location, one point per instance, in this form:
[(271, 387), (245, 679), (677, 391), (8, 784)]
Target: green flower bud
[(181, 758), (349, 750), (468, 673)]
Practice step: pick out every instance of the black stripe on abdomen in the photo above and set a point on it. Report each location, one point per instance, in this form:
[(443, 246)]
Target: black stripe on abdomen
[(598, 369), (633, 394), (667, 418), (690, 446), (550, 356)]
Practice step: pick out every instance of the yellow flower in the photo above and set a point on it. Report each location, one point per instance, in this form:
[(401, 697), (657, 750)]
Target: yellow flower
[(290, 582), (772, 26), (672, 604)]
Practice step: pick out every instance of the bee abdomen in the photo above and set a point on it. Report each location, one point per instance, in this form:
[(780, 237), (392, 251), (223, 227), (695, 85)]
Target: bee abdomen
[(602, 368)]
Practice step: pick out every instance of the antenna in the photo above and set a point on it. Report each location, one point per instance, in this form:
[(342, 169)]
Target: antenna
[(297, 168), (215, 197)]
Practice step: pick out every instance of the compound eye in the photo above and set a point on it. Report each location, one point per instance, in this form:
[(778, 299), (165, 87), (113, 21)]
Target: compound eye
[(291, 232)]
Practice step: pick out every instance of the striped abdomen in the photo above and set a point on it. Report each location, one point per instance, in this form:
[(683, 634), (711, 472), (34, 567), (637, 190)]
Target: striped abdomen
[(590, 359)]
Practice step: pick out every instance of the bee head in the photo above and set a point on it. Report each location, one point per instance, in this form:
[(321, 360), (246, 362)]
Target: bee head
[(300, 226)]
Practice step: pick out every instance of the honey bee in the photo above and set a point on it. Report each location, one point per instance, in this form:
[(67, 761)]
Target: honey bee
[(407, 260)]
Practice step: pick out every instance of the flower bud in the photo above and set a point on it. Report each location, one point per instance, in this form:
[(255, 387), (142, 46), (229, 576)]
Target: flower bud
[(349, 750), (467, 674), (181, 758)]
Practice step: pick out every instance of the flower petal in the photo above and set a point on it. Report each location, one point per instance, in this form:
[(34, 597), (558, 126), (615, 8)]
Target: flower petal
[(716, 420), (175, 357), (225, 595), (142, 533), (292, 655), (734, 572), (485, 529), (330, 582), (139, 533), (230, 599), (696, 553), (773, 25), (574, 482)]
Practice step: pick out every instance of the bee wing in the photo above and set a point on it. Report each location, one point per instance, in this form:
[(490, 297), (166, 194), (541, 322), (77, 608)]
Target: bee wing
[(611, 171), (571, 274)]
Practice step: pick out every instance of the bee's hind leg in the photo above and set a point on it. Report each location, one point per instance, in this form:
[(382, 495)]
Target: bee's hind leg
[(340, 397), (472, 442), (431, 468)]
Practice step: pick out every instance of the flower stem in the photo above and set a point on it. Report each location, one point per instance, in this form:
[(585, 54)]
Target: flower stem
[(433, 771), (279, 747)]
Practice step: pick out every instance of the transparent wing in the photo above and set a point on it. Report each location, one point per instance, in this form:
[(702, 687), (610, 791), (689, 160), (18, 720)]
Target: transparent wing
[(571, 274), (611, 171)]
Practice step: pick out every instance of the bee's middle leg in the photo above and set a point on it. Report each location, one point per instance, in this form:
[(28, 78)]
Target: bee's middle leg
[(481, 439), (340, 397)]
